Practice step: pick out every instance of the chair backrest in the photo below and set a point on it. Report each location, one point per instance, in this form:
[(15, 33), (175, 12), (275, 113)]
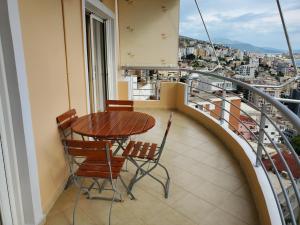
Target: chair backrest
[(119, 105), (91, 150), (166, 132), (64, 122)]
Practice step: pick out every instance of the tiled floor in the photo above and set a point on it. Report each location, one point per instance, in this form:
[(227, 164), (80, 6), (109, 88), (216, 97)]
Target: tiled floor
[(207, 185)]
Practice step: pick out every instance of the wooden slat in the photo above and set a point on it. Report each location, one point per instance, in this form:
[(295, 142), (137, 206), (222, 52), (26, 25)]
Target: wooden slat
[(97, 145), (136, 126), (126, 126), (136, 149), (68, 123), (145, 123), (103, 167), (119, 105), (128, 148), (66, 115), (119, 102), (144, 150), (113, 119), (150, 123), (95, 155), (119, 108), (93, 173), (152, 151)]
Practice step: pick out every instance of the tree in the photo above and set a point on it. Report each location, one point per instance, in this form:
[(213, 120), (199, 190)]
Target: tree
[(280, 74), (296, 144), (195, 64)]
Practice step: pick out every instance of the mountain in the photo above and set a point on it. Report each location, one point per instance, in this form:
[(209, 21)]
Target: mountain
[(247, 47), (241, 45)]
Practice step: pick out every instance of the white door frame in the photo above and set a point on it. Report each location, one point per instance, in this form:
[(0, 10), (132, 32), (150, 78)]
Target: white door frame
[(18, 148), (99, 9), (5, 206)]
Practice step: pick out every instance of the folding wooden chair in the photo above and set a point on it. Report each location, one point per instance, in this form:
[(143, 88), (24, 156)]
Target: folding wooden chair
[(146, 157), (64, 122), (119, 105), (99, 163)]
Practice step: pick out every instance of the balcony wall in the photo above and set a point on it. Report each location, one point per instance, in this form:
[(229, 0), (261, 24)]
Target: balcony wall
[(173, 97)]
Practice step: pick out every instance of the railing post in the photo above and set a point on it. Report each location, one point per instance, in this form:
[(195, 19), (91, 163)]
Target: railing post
[(261, 135), (223, 105), (126, 74), (189, 83)]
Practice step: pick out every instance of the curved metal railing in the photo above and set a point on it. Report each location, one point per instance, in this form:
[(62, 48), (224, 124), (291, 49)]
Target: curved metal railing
[(260, 120)]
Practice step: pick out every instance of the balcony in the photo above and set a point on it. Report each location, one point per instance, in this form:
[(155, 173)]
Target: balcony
[(207, 184), (222, 169)]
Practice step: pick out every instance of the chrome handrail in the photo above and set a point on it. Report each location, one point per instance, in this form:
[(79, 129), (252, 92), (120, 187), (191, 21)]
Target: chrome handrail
[(258, 136), (282, 108)]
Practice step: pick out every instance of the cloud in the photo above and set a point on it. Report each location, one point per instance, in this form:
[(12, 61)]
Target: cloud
[(248, 21)]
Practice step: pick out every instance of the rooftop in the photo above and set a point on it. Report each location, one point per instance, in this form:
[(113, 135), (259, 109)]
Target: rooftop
[(207, 185)]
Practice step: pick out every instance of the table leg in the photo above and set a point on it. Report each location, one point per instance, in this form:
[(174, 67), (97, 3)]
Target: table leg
[(120, 145)]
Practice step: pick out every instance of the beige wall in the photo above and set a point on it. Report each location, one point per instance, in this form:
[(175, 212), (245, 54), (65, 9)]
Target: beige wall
[(110, 4), (148, 32), (168, 96), (43, 37), (75, 54), (123, 90)]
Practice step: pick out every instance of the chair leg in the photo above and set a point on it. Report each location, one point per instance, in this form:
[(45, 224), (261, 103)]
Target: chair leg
[(139, 169), (167, 181), (165, 186), (102, 186), (144, 172), (69, 182), (111, 205), (76, 201), (127, 189), (120, 145)]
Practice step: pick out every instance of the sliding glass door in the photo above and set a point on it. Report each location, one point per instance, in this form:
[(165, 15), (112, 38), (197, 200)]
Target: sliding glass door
[(97, 61)]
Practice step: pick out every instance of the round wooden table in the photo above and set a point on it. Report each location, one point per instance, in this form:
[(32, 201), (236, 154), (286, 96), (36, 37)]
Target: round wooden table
[(113, 125)]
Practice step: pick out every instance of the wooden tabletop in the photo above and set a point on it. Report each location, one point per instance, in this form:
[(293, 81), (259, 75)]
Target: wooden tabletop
[(113, 124)]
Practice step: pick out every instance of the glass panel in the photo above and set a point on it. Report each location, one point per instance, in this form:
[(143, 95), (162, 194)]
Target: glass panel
[(99, 61)]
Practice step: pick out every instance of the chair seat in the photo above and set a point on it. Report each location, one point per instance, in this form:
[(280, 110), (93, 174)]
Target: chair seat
[(100, 169), (140, 150)]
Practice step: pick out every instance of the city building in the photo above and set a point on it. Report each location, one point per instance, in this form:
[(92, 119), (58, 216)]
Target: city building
[(247, 127), (213, 108), (295, 94), (247, 70)]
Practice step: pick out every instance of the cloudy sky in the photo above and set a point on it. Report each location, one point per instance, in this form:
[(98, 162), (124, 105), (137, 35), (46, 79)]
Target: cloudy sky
[(253, 21)]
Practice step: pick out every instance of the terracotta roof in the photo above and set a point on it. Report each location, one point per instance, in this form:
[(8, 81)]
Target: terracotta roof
[(289, 158)]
